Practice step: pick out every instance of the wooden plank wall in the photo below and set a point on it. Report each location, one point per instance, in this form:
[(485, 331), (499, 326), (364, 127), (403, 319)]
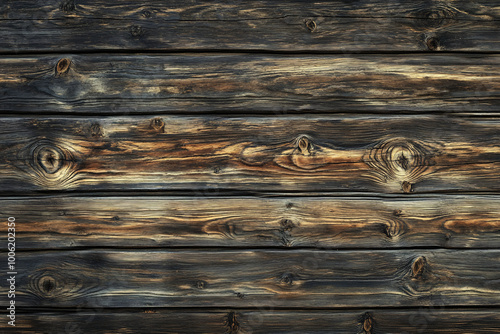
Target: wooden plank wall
[(253, 166)]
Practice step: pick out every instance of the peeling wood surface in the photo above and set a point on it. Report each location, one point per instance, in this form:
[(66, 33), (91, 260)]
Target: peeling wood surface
[(261, 278), (332, 223), (391, 154), (305, 26), (267, 321), (249, 83)]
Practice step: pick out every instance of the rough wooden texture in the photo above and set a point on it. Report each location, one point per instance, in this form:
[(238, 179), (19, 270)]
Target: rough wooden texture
[(249, 83), (286, 278), (405, 155), (339, 26), (263, 321), (452, 221)]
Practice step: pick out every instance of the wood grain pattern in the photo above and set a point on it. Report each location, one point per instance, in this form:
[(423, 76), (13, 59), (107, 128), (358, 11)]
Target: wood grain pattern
[(451, 221), (393, 154), (260, 278), (298, 25), (264, 321), (249, 83)]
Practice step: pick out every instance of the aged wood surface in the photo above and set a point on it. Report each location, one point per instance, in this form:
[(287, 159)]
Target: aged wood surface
[(249, 83), (251, 25), (451, 221), (390, 154), (277, 278), (264, 321)]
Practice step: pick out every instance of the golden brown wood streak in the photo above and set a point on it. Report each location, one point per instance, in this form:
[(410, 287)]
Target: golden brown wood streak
[(261, 278), (299, 25), (389, 154), (450, 221), (249, 83)]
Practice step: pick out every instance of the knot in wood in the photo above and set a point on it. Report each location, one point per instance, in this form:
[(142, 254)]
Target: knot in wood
[(433, 44), (63, 66), (67, 6), (418, 267), (136, 30), (394, 228), (51, 165), (367, 323), (232, 323), (303, 145), (286, 225), (157, 124), (406, 187), (46, 283), (311, 25), (430, 18), (286, 279), (48, 158), (95, 130), (201, 284), (400, 162)]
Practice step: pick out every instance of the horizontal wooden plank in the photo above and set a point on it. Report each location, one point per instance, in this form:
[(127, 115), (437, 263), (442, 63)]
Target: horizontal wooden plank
[(262, 278), (451, 221), (251, 25), (391, 154), (249, 83), (264, 321)]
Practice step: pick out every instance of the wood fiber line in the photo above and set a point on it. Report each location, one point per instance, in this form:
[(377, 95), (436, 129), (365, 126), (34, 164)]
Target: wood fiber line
[(249, 84), (333, 26), (390, 154), (448, 221), (260, 278)]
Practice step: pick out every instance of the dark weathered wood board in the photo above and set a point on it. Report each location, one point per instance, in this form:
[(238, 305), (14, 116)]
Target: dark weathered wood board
[(261, 278), (249, 83), (306, 26), (252, 166), (264, 321), (391, 154), (452, 221)]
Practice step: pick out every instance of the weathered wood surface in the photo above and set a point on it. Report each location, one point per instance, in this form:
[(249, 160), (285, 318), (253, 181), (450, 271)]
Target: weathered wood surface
[(451, 221), (263, 321), (286, 278), (392, 154), (251, 25), (249, 83)]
